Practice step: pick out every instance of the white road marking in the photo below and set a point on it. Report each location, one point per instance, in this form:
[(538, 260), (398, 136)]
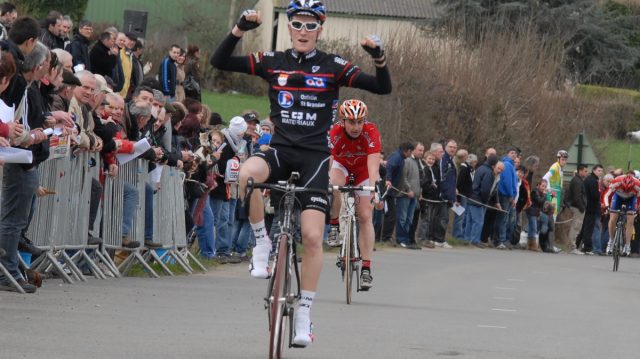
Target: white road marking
[(515, 280), (538, 272), (491, 326), (503, 310)]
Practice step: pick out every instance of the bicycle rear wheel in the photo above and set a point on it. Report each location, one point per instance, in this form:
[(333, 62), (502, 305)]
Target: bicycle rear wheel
[(278, 301), (348, 260)]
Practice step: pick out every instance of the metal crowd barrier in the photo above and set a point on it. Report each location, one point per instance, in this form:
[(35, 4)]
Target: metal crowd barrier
[(135, 173), (59, 224), (169, 223), (60, 221)]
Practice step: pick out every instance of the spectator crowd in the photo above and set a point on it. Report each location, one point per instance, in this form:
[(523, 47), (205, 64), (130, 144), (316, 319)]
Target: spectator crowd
[(104, 98)]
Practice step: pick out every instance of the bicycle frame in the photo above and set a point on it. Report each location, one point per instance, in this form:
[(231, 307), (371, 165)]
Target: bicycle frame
[(350, 250)]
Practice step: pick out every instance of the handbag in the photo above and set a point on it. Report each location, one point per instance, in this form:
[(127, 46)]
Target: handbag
[(191, 85)]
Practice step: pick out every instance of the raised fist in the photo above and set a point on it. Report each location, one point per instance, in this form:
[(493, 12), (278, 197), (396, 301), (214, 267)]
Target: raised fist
[(249, 20)]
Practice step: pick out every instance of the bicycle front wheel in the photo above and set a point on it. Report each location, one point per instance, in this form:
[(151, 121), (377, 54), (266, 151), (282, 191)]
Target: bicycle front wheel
[(278, 301), (348, 260), (617, 247)]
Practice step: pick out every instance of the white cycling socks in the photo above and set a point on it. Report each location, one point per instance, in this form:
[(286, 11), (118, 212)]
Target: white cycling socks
[(260, 261), (303, 326)]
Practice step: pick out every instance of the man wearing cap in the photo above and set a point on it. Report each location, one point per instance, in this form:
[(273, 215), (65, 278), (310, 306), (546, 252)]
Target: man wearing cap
[(251, 136), (507, 191), (64, 94)]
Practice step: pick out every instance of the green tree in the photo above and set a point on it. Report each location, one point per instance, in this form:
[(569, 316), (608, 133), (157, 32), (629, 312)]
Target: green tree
[(40, 8), (602, 41)]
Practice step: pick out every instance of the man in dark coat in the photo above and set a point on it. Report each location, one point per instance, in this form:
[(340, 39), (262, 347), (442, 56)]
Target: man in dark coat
[(592, 211), (79, 47), (104, 56)]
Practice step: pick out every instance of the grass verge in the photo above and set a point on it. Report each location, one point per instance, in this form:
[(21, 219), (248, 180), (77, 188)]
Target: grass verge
[(229, 105), (138, 270), (617, 153)]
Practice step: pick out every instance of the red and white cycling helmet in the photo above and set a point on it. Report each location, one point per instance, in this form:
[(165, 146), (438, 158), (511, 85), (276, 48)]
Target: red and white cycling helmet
[(353, 110), (307, 7), (628, 182)]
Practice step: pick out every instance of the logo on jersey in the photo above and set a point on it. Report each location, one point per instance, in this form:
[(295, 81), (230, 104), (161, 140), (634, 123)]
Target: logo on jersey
[(315, 69), (285, 99), (317, 82), (340, 61), (282, 79)]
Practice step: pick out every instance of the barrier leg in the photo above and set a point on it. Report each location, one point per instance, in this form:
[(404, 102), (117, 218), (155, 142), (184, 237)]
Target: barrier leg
[(178, 257), (151, 254), (58, 268), (93, 267), (39, 262), (11, 280), (190, 257), (133, 257), (108, 263), (72, 266)]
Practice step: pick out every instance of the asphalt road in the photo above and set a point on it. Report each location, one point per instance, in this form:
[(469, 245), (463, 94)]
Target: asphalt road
[(462, 303)]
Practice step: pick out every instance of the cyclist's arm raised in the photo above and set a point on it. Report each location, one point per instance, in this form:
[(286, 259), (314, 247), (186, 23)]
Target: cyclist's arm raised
[(222, 59), (381, 82)]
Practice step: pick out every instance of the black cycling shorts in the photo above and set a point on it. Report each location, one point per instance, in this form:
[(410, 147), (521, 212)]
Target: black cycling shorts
[(313, 167)]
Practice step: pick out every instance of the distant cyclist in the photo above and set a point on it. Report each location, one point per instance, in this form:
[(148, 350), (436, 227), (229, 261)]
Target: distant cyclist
[(303, 91), (355, 148), (623, 190), (554, 179)]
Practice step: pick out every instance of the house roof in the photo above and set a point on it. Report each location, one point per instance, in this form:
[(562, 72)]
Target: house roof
[(412, 9)]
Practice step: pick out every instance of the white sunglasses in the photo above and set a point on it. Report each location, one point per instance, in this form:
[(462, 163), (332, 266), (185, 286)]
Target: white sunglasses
[(309, 26)]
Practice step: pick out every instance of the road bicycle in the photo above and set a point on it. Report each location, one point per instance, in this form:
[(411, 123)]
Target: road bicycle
[(619, 237), (283, 290), (349, 258)]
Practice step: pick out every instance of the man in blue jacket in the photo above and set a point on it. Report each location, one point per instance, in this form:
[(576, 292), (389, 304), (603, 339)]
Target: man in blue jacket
[(507, 190), (167, 73), (395, 164), (483, 194)]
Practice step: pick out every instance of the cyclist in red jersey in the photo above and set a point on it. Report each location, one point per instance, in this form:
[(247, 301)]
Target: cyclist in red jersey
[(355, 149), (623, 190)]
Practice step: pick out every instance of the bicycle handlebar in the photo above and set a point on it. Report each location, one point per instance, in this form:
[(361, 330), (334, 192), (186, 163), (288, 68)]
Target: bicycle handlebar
[(283, 187), (352, 188)]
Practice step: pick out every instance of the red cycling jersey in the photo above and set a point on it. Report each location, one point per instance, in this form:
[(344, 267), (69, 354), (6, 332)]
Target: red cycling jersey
[(615, 187), (352, 153)]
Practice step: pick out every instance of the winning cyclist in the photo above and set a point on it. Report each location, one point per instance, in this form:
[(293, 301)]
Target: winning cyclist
[(303, 90), (355, 148), (623, 190)]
